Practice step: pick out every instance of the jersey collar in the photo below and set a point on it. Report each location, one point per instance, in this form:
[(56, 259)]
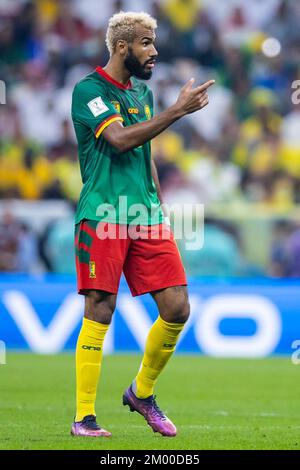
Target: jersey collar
[(112, 80)]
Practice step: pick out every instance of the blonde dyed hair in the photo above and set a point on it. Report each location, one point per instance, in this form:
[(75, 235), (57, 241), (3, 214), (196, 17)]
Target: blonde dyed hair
[(122, 26)]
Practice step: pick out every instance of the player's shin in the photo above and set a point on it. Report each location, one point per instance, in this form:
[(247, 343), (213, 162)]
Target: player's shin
[(89, 351), (160, 345)]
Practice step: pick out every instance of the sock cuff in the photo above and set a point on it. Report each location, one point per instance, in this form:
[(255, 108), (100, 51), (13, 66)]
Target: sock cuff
[(94, 326), (170, 326)]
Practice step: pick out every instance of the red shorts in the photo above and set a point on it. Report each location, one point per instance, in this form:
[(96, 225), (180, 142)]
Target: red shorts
[(148, 256)]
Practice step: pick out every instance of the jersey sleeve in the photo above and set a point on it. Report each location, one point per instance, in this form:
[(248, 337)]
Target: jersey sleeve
[(92, 108)]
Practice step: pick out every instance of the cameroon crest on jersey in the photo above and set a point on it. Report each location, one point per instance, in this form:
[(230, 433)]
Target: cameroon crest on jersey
[(117, 106), (147, 111)]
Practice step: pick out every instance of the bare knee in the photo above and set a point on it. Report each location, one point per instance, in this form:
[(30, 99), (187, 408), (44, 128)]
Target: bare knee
[(173, 304), (99, 306), (181, 311)]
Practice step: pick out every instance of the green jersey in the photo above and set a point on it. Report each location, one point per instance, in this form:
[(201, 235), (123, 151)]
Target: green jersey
[(117, 187)]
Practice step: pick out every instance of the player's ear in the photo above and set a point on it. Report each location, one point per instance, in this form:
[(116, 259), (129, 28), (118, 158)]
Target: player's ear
[(122, 47)]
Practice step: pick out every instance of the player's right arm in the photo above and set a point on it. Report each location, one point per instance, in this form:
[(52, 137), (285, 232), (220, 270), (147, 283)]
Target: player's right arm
[(189, 101)]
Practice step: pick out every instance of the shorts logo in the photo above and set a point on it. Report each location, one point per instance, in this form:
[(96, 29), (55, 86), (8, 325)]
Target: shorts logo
[(97, 106), (117, 106), (133, 110), (147, 111), (92, 270)]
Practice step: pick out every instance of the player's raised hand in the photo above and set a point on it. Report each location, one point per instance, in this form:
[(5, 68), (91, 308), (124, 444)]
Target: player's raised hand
[(193, 99)]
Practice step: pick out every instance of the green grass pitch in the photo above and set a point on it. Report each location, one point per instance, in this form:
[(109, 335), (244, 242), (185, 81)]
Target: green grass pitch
[(215, 403)]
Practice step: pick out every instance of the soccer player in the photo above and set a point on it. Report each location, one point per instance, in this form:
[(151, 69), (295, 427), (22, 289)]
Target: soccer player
[(112, 112)]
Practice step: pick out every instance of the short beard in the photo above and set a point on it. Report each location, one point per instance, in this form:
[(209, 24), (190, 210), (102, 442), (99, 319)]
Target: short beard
[(134, 66)]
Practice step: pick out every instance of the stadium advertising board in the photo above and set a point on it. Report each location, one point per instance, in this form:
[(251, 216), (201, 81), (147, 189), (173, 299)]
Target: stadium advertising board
[(233, 318)]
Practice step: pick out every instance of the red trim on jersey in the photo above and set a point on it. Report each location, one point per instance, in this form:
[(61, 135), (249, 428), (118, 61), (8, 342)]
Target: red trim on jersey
[(113, 117), (112, 80)]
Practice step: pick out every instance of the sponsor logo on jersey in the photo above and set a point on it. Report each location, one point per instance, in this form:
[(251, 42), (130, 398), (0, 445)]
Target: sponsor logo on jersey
[(92, 270), (147, 111), (97, 106), (117, 106), (133, 110)]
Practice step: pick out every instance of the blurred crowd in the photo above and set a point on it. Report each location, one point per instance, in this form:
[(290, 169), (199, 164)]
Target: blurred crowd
[(244, 147)]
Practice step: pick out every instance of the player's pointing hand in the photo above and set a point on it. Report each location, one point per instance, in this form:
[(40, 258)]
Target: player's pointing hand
[(191, 99)]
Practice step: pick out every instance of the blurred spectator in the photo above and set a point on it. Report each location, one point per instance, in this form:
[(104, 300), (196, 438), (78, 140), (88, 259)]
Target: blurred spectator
[(182, 13), (59, 246), (27, 255), (65, 146), (279, 257), (9, 239), (219, 256), (290, 129), (214, 180), (285, 253), (293, 254), (54, 191), (18, 246), (284, 25)]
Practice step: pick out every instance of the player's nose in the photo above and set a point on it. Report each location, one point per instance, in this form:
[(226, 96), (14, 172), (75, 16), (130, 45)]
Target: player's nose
[(153, 53)]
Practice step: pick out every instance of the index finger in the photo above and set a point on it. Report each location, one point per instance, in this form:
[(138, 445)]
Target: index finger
[(205, 85)]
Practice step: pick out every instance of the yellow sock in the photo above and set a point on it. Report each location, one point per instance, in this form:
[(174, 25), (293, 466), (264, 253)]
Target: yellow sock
[(88, 365), (160, 346)]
